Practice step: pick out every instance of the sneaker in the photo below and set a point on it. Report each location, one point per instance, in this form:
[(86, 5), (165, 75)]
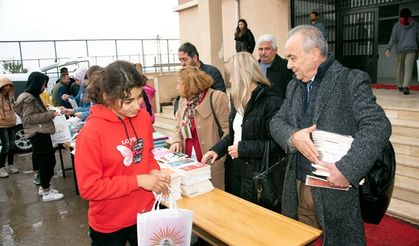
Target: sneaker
[(37, 179), (406, 91), (11, 169), (3, 173), (41, 191), (52, 196)]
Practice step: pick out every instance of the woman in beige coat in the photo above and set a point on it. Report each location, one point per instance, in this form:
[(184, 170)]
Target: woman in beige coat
[(7, 124), (196, 128)]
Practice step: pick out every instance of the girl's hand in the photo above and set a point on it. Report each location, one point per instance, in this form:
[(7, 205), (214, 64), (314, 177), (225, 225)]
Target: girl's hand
[(157, 182)]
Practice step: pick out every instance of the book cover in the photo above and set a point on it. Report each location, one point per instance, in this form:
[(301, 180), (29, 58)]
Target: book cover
[(322, 183)]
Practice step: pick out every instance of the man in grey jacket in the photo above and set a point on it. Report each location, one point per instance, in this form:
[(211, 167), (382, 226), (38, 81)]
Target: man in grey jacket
[(405, 35), (319, 97)]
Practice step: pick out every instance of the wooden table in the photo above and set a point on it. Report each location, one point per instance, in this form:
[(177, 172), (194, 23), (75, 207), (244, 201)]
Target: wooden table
[(223, 219)]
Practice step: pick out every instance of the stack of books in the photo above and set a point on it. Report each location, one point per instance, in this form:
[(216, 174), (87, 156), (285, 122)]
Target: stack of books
[(331, 147), (195, 176), (159, 140), (175, 178)]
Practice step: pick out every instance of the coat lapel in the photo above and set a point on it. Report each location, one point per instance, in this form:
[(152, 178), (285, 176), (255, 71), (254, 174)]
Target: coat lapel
[(326, 88)]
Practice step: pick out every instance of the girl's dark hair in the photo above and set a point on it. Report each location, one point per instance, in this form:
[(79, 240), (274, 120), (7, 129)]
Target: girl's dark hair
[(114, 82), (239, 32)]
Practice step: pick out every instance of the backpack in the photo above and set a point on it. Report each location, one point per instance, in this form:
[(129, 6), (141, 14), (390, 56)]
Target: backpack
[(376, 191)]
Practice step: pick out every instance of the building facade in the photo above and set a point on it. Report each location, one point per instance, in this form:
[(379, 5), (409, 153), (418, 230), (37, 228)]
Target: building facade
[(358, 30)]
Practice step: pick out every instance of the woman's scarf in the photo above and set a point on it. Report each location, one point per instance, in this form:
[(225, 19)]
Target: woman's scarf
[(190, 106)]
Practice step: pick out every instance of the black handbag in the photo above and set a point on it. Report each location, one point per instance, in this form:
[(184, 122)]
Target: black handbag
[(267, 194), (376, 191)]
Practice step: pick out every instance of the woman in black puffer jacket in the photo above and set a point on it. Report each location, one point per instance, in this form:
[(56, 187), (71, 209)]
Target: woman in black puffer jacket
[(253, 106), (245, 41)]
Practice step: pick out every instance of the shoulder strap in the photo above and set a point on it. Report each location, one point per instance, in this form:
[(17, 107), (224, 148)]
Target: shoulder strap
[(147, 103), (220, 130)]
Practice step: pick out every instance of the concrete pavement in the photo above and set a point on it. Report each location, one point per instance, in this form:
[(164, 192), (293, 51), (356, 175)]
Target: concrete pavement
[(26, 220)]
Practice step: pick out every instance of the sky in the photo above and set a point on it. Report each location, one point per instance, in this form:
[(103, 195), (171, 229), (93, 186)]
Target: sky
[(87, 19)]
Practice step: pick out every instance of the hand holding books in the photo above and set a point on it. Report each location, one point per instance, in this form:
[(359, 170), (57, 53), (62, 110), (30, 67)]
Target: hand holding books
[(331, 173), (331, 148)]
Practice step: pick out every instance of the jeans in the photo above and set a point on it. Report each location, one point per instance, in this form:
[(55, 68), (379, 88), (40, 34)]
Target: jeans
[(7, 137)]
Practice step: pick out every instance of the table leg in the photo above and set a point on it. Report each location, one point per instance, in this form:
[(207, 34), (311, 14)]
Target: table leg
[(60, 147), (74, 174)]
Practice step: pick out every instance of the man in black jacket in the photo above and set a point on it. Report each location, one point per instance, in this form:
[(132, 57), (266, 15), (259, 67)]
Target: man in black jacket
[(274, 67), (189, 56)]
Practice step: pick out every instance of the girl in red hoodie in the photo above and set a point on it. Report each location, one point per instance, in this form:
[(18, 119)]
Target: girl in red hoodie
[(115, 167)]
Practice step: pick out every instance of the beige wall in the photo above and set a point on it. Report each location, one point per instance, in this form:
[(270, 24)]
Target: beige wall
[(210, 25), (187, 23), (229, 26), (201, 24), (267, 17)]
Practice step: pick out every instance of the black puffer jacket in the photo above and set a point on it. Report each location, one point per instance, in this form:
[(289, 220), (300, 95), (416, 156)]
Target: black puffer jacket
[(262, 106), (245, 42)]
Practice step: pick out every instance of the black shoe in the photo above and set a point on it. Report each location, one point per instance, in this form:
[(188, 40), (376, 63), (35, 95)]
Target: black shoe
[(406, 91), (400, 89)]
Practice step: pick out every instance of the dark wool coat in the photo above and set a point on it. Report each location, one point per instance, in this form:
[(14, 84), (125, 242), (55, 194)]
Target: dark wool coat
[(263, 104), (345, 107)]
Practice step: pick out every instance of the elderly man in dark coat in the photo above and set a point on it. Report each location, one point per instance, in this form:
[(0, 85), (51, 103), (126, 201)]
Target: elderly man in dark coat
[(319, 97)]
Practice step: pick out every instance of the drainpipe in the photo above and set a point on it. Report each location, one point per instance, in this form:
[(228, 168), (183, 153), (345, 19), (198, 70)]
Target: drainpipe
[(237, 9)]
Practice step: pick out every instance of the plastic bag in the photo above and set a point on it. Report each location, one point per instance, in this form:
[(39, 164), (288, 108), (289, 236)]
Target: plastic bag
[(171, 226), (62, 132)]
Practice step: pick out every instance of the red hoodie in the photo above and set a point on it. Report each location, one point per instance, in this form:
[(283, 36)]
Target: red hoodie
[(105, 178)]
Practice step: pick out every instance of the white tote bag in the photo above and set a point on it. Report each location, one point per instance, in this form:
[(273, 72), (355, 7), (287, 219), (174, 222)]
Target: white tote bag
[(62, 131), (171, 226)]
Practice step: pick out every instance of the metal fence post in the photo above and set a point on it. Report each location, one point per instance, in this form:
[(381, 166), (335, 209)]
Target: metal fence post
[(116, 49), (21, 56), (142, 53)]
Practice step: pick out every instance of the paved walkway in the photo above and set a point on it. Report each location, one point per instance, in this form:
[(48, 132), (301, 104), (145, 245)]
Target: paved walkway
[(26, 220)]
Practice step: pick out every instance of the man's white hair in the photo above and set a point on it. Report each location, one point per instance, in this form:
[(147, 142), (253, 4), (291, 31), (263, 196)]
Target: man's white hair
[(268, 38)]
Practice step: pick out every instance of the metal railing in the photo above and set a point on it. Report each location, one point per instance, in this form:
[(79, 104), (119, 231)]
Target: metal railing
[(156, 55)]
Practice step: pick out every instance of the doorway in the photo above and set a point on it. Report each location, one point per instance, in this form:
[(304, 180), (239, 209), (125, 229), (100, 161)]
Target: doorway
[(359, 38)]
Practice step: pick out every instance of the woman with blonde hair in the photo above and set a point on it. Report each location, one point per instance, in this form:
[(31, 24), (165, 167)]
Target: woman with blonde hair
[(254, 103), (202, 118)]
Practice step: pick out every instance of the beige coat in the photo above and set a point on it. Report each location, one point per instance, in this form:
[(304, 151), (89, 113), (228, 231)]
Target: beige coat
[(207, 128), (35, 118), (7, 113)]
